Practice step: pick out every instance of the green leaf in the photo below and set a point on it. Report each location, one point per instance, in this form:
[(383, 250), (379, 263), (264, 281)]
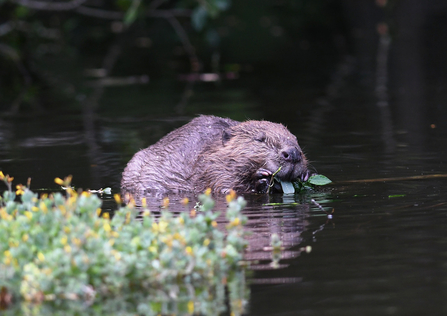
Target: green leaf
[(21, 12), (396, 195), (287, 187), (319, 179), (132, 12)]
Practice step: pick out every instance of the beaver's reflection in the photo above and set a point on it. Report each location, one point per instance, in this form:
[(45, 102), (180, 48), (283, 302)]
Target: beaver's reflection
[(281, 214)]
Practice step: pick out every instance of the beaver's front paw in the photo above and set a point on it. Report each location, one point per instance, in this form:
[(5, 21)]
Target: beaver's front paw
[(262, 179), (306, 175)]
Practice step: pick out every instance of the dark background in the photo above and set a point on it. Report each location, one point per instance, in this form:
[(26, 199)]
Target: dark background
[(85, 84)]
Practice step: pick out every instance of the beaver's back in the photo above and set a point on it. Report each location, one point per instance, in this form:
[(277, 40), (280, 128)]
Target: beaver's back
[(168, 164)]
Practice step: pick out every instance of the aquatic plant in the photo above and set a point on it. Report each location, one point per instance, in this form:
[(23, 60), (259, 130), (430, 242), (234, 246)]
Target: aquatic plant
[(312, 182), (57, 248)]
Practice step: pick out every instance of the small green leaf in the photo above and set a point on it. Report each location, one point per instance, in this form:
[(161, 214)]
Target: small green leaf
[(287, 187), (21, 12), (132, 12), (319, 179)]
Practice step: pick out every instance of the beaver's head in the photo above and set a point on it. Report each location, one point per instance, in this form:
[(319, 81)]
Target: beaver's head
[(261, 144)]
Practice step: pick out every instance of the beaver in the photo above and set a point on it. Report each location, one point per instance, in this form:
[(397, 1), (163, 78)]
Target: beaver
[(217, 153)]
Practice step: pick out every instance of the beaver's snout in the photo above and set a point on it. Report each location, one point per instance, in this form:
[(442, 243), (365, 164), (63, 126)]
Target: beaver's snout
[(292, 154)]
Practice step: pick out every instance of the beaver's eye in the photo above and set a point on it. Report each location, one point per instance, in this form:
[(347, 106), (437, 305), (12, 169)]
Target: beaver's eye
[(260, 137)]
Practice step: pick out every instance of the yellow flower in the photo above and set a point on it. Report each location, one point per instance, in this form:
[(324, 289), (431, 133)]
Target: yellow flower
[(7, 261), (143, 202), (206, 242), (43, 207), (117, 198), (47, 271), (181, 220), (98, 211), (64, 241), (7, 253), (59, 181), (190, 307), (146, 213), (165, 202), (76, 241), (152, 249), (25, 237), (28, 214), (155, 227), (115, 234), (72, 200), (70, 191), (117, 256), (40, 256), (106, 215), (214, 224), (185, 201), (162, 226), (35, 209), (236, 221), (230, 196), (111, 242), (3, 214), (177, 236), (208, 191), (168, 241), (107, 227), (2, 176), (67, 229), (67, 248), (188, 250), (19, 189), (85, 194)]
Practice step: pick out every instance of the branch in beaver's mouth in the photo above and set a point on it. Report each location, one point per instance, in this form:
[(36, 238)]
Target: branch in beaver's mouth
[(285, 182), (272, 179), (286, 186)]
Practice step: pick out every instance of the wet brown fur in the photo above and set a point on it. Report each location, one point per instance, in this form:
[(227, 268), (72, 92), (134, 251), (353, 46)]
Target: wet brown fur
[(214, 152)]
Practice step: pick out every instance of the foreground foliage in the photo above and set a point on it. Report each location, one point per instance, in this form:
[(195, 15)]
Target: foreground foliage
[(56, 248)]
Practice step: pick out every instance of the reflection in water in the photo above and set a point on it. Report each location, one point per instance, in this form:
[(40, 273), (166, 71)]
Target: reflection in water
[(208, 299), (284, 215)]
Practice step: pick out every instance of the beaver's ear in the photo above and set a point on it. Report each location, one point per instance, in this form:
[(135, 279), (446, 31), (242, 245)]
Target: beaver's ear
[(260, 137), (226, 136)]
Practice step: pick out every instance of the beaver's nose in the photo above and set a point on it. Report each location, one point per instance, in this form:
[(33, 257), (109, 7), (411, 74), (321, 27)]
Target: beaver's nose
[(291, 154)]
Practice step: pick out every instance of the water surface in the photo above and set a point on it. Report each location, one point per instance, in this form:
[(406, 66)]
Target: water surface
[(383, 249)]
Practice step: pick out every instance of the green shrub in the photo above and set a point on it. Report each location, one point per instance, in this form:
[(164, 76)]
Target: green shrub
[(56, 247)]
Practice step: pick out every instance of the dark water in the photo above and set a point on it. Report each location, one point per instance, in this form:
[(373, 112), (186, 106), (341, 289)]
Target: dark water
[(384, 249)]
